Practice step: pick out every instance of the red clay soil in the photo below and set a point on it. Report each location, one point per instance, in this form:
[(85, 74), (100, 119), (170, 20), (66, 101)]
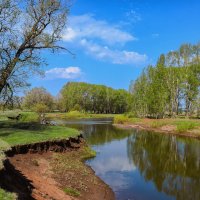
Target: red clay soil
[(44, 185)]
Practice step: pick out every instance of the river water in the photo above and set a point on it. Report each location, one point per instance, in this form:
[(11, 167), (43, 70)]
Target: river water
[(140, 165)]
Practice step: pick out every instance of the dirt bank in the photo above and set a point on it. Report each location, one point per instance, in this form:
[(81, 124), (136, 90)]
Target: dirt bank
[(167, 129), (37, 172)]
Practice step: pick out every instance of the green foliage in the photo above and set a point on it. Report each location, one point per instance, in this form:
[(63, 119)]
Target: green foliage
[(72, 192), (29, 117), (75, 115), (93, 98), (27, 133), (173, 85), (40, 108), (38, 97), (7, 196), (121, 119)]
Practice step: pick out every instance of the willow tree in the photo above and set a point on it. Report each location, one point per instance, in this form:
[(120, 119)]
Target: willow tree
[(26, 28)]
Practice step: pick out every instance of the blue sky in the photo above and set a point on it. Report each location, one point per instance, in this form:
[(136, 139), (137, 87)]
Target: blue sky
[(114, 40)]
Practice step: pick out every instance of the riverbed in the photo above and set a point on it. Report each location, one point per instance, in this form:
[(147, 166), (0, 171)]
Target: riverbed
[(142, 165)]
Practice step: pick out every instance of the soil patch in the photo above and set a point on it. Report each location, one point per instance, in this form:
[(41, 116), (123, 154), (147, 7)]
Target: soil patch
[(48, 176)]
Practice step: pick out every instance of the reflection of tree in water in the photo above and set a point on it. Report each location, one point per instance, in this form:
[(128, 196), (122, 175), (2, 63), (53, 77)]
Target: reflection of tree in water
[(101, 134), (173, 164)]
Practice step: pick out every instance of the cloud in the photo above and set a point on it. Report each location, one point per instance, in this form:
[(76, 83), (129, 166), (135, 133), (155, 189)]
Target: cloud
[(63, 73), (86, 26), (114, 56), (102, 40)]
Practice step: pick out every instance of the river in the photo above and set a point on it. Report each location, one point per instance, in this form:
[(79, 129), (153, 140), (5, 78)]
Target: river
[(141, 165)]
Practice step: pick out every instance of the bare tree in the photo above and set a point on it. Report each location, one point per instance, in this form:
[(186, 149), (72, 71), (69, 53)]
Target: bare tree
[(26, 28)]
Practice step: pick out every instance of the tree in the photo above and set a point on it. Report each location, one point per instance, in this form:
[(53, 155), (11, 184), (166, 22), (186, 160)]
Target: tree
[(171, 85), (25, 30), (38, 96)]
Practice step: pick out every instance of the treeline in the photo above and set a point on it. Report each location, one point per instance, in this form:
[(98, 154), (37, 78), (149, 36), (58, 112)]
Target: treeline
[(170, 88), (93, 98)]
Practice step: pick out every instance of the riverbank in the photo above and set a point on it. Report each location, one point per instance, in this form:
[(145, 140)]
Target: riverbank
[(31, 162), (59, 176), (181, 127)]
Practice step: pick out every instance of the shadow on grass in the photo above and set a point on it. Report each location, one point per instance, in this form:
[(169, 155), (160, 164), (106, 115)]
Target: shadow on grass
[(8, 127)]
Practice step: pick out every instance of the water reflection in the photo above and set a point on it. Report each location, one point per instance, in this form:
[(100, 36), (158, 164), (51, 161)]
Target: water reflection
[(171, 163), (143, 166)]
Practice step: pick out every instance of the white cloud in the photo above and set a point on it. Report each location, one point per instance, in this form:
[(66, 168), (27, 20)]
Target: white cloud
[(86, 26), (63, 73), (113, 56), (101, 40)]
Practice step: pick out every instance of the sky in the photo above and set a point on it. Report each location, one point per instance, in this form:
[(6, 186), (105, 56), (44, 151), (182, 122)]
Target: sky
[(114, 40)]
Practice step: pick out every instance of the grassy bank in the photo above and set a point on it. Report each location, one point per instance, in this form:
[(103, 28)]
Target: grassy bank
[(26, 133), (176, 125)]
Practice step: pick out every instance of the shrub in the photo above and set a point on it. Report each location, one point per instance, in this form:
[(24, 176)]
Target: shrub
[(29, 117), (74, 114), (121, 119)]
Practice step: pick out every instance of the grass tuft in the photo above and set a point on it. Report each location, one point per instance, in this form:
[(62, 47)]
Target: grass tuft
[(7, 196), (184, 126), (72, 192)]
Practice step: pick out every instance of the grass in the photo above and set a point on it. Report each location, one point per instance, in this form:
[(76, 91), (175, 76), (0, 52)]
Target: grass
[(3, 147), (179, 125), (7, 196), (26, 133), (125, 119), (72, 192), (184, 126)]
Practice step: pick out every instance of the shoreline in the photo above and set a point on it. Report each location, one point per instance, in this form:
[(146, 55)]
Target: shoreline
[(28, 168), (158, 130)]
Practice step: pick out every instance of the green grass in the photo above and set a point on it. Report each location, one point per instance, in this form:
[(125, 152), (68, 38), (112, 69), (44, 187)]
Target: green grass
[(72, 192), (184, 126), (3, 147), (26, 133), (7, 196)]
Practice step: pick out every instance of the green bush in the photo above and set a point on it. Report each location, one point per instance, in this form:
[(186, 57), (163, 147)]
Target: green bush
[(121, 119), (74, 114), (40, 108), (29, 117)]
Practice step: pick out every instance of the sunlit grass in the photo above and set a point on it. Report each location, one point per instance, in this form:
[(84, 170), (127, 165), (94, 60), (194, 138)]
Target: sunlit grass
[(7, 196), (27, 133)]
